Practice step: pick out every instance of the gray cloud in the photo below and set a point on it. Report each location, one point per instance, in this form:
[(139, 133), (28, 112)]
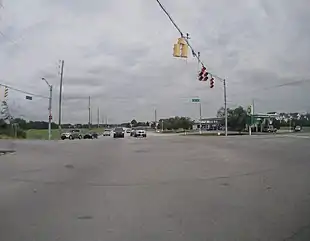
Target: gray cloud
[(120, 53)]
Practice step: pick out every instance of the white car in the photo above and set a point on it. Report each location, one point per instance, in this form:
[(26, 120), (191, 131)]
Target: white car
[(297, 128), (71, 135), (139, 133)]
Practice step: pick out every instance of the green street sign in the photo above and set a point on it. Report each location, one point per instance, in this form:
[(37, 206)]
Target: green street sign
[(196, 100)]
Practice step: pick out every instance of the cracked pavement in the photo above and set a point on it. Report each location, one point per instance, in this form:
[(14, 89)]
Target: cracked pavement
[(158, 188)]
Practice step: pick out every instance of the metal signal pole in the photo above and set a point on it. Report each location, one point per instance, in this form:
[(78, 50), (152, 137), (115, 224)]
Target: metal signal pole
[(225, 106)]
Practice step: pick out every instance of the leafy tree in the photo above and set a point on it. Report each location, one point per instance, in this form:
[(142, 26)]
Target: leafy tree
[(237, 118), (276, 124), (174, 123), (134, 122)]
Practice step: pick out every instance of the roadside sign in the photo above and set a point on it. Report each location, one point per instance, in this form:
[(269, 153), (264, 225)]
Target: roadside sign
[(195, 100)]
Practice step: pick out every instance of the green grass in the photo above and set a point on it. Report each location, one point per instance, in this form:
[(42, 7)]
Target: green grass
[(43, 134)]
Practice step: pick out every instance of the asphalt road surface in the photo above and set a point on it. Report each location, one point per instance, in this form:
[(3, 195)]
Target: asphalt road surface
[(160, 188)]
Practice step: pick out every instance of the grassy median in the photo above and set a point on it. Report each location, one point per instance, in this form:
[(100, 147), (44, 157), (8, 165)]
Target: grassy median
[(43, 134)]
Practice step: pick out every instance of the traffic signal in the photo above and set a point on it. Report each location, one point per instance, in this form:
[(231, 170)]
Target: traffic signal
[(211, 82), (184, 51), (202, 73), (184, 48), (180, 49), (176, 50), (205, 77), (6, 92)]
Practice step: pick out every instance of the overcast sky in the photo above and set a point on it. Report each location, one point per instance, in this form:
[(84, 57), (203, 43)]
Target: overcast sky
[(120, 53)]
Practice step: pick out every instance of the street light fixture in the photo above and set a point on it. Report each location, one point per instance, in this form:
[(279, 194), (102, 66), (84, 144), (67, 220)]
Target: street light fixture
[(49, 109)]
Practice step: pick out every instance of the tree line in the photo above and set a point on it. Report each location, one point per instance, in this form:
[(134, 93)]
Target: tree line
[(237, 119)]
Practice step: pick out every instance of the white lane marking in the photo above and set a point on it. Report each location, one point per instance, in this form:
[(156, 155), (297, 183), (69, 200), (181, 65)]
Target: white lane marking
[(296, 136)]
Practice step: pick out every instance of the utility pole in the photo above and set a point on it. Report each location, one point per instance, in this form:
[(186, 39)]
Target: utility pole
[(89, 115), (60, 95), (225, 106), (98, 118), (252, 116), (49, 109), (155, 116)]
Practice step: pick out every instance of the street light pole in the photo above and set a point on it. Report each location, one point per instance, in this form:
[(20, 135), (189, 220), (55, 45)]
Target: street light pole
[(60, 96), (49, 109), (200, 118)]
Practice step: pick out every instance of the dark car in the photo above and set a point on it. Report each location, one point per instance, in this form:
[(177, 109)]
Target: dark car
[(94, 135), (88, 136), (91, 136), (119, 132)]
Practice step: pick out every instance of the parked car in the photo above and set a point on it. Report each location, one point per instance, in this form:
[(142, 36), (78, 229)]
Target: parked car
[(119, 132), (71, 135), (106, 133), (297, 128), (128, 130), (94, 135), (140, 133)]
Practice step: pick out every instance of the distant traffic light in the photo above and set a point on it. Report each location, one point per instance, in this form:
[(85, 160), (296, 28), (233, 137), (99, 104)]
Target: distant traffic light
[(202, 73), (6, 92), (211, 82), (205, 77)]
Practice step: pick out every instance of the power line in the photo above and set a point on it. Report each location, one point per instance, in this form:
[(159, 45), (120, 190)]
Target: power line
[(24, 92), (291, 83)]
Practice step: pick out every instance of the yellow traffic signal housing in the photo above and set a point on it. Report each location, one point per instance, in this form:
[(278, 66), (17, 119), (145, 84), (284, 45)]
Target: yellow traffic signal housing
[(184, 51), (180, 49), (176, 50)]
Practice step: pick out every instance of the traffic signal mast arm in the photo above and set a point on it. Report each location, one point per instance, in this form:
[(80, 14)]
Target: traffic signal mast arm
[(199, 61)]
